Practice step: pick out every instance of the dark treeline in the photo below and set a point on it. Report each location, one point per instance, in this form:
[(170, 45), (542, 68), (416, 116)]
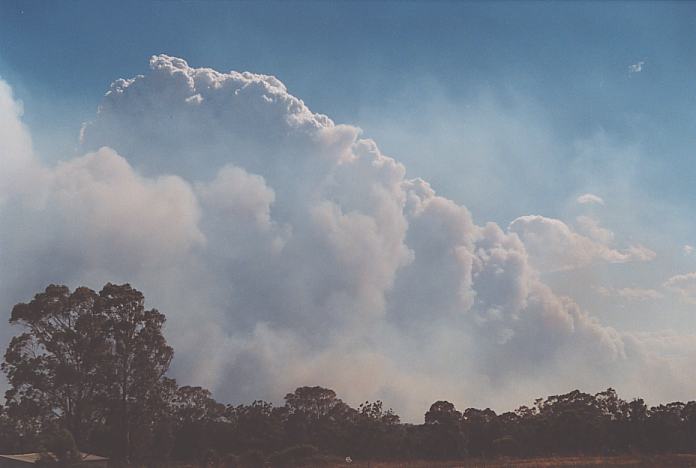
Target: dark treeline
[(88, 370)]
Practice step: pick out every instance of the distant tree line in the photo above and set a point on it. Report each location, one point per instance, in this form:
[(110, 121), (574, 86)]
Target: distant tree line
[(89, 371)]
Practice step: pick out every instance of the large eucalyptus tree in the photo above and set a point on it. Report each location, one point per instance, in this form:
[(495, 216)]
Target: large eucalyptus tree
[(87, 362)]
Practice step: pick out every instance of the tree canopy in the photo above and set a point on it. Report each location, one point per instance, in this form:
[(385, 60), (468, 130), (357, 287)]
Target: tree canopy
[(89, 370), (86, 360)]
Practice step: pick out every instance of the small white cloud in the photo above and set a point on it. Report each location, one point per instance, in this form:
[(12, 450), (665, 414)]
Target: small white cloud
[(688, 249), (631, 294), (589, 199), (636, 67), (684, 285)]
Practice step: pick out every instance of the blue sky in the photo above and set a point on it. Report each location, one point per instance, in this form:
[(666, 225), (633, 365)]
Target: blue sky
[(408, 74), (512, 109), (367, 63)]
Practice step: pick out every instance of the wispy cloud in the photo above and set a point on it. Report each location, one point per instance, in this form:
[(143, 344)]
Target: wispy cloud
[(684, 285), (631, 294), (636, 67), (589, 199)]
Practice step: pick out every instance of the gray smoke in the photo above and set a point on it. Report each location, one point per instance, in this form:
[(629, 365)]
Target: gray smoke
[(287, 250)]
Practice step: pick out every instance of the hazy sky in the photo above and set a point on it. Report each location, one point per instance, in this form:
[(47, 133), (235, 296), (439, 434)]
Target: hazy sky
[(315, 255)]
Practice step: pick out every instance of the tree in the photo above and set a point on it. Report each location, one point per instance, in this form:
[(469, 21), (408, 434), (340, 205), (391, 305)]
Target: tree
[(446, 439), (196, 414), (664, 427), (258, 426), (194, 404), (316, 416), (443, 412), (574, 422), (139, 357), (60, 449), (481, 429), (55, 368), (9, 442), (376, 432), (313, 402), (689, 422), (85, 360)]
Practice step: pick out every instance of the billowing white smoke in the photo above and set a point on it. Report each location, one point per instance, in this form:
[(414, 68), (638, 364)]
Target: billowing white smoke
[(554, 246), (287, 250)]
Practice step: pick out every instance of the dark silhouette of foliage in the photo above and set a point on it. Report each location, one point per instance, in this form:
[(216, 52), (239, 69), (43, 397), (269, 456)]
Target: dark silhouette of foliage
[(91, 363), (297, 455), (59, 449), (137, 363), (88, 370), (375, 432), (443, 432), (315, 415), (252, 459), (481, 429), (55, 367)]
